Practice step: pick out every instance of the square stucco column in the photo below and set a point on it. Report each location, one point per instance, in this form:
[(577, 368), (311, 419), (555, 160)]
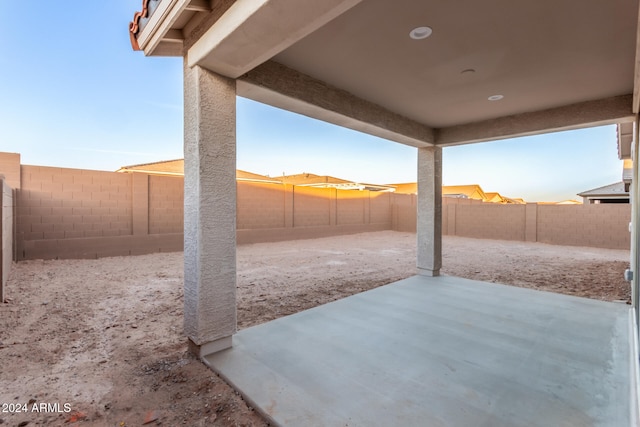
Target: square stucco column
[(209, 210), (429, 219)]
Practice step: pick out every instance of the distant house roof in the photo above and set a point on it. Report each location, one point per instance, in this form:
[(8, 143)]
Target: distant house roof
[(473, 191), (517, 200), (612, 190), (250, 176), (499, 198), (463, 191), (496, 198), (165, 167), (326, 181), (311, 179), (563, 202), (406, 188), (569, 202), (176, 167)]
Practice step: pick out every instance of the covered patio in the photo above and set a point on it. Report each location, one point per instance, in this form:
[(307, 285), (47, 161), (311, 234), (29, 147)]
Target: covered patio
[(439, 351), (435, 351)]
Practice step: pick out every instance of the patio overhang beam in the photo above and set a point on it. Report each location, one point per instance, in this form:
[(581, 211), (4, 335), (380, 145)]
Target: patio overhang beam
[(252, 31), (279, 86), (600, 112)]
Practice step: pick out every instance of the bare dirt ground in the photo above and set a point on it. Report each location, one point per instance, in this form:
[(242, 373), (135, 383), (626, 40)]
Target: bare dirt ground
[(100, 341)]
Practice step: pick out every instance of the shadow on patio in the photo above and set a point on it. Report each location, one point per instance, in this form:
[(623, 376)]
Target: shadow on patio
[(440, 351)]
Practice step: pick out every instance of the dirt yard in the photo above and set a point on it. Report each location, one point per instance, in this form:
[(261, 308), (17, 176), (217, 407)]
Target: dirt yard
[(99, 342)]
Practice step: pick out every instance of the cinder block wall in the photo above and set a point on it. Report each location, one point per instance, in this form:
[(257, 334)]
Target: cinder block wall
[(6, 234), (603, 226), (10, 168), (260, 205), (489, 221), (275, 212), (380, 207), (403, 212), (73, 213), (77, 213), (60, 203), (166, 204), (352, 207), (312, 206)]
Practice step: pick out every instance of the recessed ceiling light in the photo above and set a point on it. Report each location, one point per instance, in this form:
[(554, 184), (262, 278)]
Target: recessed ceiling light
[(495, 97), (420, 33)]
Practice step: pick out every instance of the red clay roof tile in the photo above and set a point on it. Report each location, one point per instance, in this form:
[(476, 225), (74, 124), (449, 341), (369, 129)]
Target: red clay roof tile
[(134, 26)]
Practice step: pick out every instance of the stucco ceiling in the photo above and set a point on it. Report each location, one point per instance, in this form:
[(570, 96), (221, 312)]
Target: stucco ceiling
[(537, 54)]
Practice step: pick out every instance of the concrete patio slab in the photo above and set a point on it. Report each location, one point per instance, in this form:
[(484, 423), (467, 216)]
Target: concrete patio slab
[(439, 351)]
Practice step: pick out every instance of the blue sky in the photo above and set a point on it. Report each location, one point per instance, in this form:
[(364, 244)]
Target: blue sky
[(76, 95)]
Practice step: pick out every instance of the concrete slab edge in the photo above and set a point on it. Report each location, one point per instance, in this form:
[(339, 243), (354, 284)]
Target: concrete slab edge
[(204, 350), (246, 398), (634, 394)]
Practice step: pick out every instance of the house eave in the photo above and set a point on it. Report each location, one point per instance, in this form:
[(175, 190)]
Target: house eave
[(160, 35)]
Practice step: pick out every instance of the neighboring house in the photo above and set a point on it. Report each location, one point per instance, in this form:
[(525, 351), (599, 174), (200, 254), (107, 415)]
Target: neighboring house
[(176, 167), (568, 202), (627, 173), (325, 181), (563, 202), (166, 167), (472, 191), (612, 193), (496, 198), (406, 188), (499, 198)]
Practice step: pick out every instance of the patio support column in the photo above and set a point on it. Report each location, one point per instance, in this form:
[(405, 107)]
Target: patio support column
[(209, 210), (429, 220)]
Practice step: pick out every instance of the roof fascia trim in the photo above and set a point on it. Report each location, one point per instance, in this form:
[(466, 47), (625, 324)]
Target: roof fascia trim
[(624, 133), (166, 13)]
